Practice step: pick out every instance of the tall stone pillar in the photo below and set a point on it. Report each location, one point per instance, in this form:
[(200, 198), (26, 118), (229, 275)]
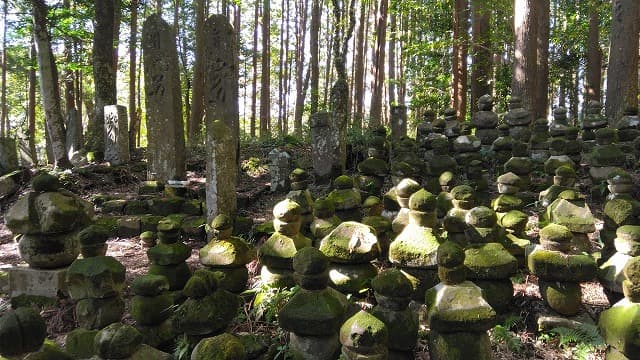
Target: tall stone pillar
[(165, 130), (116, 135), (222, 115), (74, 133), (398, 121), (322, 147)]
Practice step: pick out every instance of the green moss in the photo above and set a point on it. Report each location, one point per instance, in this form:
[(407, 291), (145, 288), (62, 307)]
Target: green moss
[(21, 330), (45, 182), (565, 171), (117, 341), (222, 221), (95, 277), (450, 254), (557, 233), (343, 182), (79, 343), (150, 285), (509, 179), (221, 347), (463, 192), (489, 261), (287, 210), (506, 202), (169, 254), (563, 297), (632, 270), (392, 283), (406, 187), (619, 212), (351, 242), (151, 310), (481, 216), (210, 314), (619, 328), (422, 200), (93, 234), (298, 175), (555, 265), (310, 261), (317, 313), (363, 330), (460, 345)]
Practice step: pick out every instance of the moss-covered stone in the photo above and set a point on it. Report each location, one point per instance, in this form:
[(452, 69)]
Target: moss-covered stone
[(562, 297), (93, 313), (79, 343), (117, 341), (450, 255), (165, 206), (233, 251), (481, 216), (323, 208), (221, 347), (401, 325), (169, 254), (151, 310), (135, 207), (150, 222), (115, 206), (632, 270), (460, 345), (287, 211), (314, 313), (406, 187), (343, 182), (557, 233), (351, 242), (221, 222), (392, 283), (279, 249), (422, 200), (489, 261), (310, 261), (506, 202), (208, 315), (619, 212), (558, 266), (97, 277), (49, 251), (177, 275), (150, 285), (452, 275), (21, 331), (49, 351), (514, 220), (619, 328), (363, 331), (498, 293), (460, 307), (415, 246), (373, 166), (351, 278), (44, 182)]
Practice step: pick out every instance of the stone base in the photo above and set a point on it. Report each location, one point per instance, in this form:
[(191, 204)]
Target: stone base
[(37, 282), (315, 347), (459, 346)]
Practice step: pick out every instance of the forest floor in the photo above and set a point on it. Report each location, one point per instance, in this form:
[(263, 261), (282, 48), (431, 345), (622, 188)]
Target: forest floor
[(517, 336)]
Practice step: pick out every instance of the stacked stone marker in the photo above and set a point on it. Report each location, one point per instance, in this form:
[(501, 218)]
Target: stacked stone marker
[(398, 121), (221, 109), (116, 135), (165, 150), (323, 164)]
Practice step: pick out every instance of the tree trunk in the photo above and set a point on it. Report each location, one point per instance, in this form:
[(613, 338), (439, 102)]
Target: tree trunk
[(460, 50), (281, 74), (69, 91), (542, 72), (301, 36), (594, 54), (524, 65), (393, 28), (265, 86), (359, 65), (31, 111), (622, 75), (481, 69), (378, 66), (287, 72), (4, 116), (49, 91), (103, 70), (314, 44), (254, 63), (194, 124), (134, 124)]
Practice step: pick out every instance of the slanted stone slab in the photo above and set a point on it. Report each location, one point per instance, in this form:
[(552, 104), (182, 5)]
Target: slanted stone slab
[(165, 133), (221, 109), (321, 151), (116, 135)]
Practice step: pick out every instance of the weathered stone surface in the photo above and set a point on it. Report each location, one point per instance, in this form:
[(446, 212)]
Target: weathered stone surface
[(49, 251), (323, 162), (233, 251), (97, 313), (365, 334), (619, 327), (39, 282), (279, 167), (314, 313), (314, 347), (222, 347), (351, 242), (8, 155), (21, 331), (116, 135), (489, 261), (415, 246), (208, 315), (458, 308), (97, 277), (576, 218), (117, 341), (79, 343), (460, 346), (165, 130), (558, 266)]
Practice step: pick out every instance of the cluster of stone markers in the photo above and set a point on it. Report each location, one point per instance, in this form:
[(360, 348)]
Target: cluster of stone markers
[(439, 235)]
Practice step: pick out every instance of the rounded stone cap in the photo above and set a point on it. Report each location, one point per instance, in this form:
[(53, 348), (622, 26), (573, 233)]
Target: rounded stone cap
[(343, 182), (605, 134), (629, 232), (485, 99), (571, 132), (406, 187), (117, 341), (150, 285), (287, 211), (222, 222), (570, 194), (45, 182), (168, 225), (556, 233), (482, 217), (560, 111), (371, 201), (364, 331), (440, 143), (450, 254), (446, 178), (557, 144), (21, 331), (93, 234), (509, 179), (514, 219), (422, 200), (310, 261), (223, 346), (298, 175), (632, 270), (565, 171), (323, 208), (392, 283), (619, 176), (202, 283), (463, 192)]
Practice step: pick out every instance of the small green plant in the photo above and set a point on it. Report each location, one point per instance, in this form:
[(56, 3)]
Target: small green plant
[(253, 166), (584, 340), (503, 334), (183, 348)]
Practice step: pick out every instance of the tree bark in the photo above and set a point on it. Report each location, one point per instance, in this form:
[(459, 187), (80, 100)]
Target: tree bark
[(460, 50), (194, 124), (378, 66), (393, 28), (594, 53), (4, 117), (524, 65), (254, 63), (103, 70), (134, 123), (265, 88), (31, 110), (49, 91), (314, 44), (359, 65), (301, 36), (481, 69), (542, 72), (622, 75)]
